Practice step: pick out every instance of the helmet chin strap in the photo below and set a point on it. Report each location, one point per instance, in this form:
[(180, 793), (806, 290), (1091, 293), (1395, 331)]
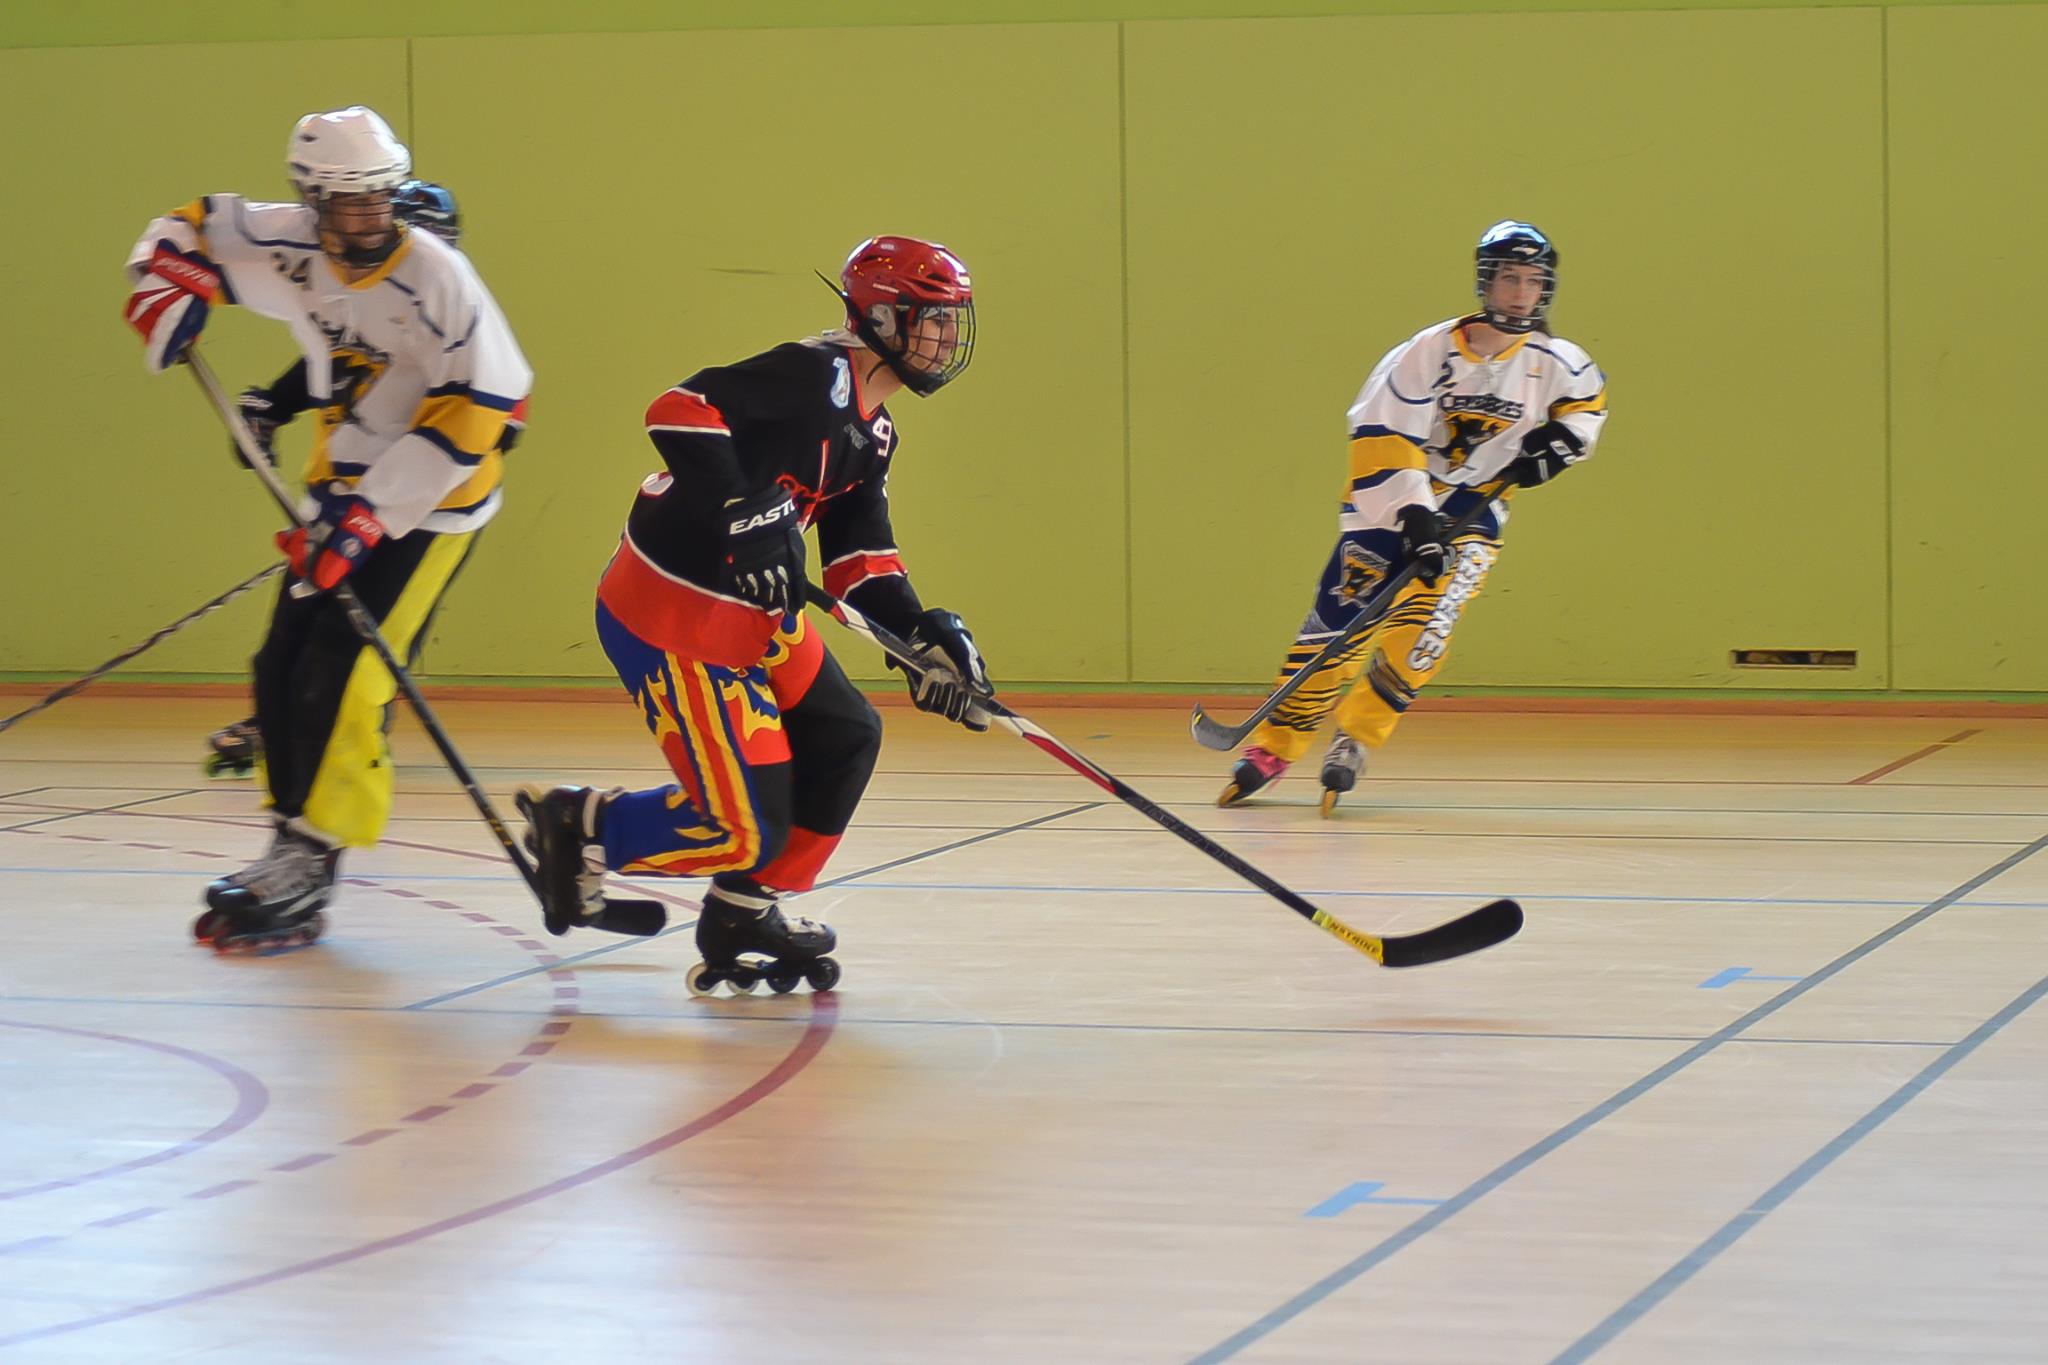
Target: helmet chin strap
[(871, 337)]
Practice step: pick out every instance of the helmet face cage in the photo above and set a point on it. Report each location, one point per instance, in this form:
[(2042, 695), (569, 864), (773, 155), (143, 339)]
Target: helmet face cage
[(1513, 243), (429, 207), (928, 345), (360, 257)]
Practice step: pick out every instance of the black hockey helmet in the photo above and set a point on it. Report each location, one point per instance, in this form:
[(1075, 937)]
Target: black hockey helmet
[(1514, 243), (430, 207)]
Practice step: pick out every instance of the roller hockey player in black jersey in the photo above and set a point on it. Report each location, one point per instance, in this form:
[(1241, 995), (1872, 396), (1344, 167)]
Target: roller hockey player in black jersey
[(701, 613)]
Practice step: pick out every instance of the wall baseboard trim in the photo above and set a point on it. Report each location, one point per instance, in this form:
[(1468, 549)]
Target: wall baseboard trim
[(886, 694)]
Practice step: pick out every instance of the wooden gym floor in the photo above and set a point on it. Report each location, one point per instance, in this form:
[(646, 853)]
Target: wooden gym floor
[(1763, 1079)]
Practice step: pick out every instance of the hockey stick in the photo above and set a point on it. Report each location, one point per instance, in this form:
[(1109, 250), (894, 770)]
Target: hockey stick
[(642, 918), (1211, 733), (73, 688), (1492, 923)]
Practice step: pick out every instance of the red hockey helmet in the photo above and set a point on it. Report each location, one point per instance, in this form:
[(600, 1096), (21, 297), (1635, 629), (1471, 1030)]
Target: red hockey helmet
[(912, 302)]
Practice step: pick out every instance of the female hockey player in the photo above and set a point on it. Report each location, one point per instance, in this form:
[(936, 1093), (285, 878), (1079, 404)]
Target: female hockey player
[(701, 613), (1480, 399), (415, 373), (232, 750)]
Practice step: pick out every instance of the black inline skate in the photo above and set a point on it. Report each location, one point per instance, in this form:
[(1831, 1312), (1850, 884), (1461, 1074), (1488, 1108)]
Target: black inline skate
[(1256, 768), (233, 751), (778, 949), (565, 835), (276, 901)]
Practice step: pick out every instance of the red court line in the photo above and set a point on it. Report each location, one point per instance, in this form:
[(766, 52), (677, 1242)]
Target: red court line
[(1913, 757), (824, 1016)]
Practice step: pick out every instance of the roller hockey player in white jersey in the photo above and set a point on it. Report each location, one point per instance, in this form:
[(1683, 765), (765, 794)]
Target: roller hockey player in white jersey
[(1491, 396), (415, 373), (232, 750)]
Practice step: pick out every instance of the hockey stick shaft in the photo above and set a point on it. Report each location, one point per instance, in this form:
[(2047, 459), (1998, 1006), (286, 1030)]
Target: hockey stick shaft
[(1372, 945), (365, 626), (1211, 733), (73, 688)]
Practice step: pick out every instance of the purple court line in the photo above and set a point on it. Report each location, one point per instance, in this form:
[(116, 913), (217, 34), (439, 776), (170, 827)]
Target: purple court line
[(1913, 757), (824, 1016), (251, 1099)]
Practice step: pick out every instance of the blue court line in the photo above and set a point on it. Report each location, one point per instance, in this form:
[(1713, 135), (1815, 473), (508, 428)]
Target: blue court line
[(1529, 1156), (1737, 1227), (507, 879), (982, 837), (1362, 1192), (557, 965), (1728, 976)]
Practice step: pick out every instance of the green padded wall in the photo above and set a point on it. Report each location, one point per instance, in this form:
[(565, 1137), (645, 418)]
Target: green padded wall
[(147, 21), (1968, 126), (1304, 195), (122, 507), (1759, 207), (661, 202)]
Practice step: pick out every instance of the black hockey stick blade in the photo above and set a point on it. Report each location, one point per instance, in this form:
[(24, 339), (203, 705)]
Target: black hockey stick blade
[(639, 918), (1482, 928), (1212, 733)]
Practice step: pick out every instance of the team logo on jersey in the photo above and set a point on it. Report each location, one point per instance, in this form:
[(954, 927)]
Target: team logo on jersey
[(1361, 572), (842, 383), (1465, 432)]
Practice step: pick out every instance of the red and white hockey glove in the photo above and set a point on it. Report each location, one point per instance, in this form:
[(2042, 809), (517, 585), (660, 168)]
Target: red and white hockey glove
[(169, 304), (324, 553)]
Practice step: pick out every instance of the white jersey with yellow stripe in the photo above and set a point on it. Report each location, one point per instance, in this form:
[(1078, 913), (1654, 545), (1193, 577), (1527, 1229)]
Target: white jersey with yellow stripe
[(415, 366), (1435, 417)]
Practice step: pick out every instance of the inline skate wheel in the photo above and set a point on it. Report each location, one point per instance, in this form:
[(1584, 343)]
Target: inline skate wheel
[(702, 980), (823, 975)]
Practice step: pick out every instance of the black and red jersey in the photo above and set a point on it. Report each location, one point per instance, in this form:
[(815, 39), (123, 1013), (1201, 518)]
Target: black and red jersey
[(792, 416)]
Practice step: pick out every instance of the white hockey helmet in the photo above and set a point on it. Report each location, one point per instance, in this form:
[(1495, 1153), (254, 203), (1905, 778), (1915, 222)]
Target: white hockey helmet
[(346, 151)]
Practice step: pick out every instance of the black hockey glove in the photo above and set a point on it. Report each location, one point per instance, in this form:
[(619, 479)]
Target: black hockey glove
[(763, 561), (957, 677), (1546, 453), (264, 415), (1422, 541)]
